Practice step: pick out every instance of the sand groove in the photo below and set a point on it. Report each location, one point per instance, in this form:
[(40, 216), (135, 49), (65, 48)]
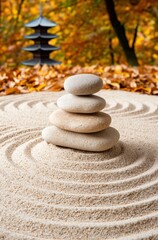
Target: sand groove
[(49, 192)]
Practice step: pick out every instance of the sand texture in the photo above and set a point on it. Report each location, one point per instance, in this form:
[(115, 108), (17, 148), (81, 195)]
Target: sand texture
[(53, 193)]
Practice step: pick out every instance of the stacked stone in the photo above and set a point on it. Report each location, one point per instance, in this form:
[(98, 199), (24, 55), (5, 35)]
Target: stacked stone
[(78, 123)]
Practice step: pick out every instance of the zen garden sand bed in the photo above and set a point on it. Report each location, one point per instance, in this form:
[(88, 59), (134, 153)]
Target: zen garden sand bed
[(50, 192)]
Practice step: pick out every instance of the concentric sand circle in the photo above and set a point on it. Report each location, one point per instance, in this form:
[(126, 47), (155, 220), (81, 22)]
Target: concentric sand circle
[(49, 192)]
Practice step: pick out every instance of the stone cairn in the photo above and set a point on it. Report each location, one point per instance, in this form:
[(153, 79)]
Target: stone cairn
[(78, 123)]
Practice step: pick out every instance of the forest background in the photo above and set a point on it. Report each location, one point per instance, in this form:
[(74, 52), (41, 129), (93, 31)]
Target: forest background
[(91, 32)]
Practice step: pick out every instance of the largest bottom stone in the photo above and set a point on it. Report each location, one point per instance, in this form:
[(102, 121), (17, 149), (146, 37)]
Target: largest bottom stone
[(96, 142)]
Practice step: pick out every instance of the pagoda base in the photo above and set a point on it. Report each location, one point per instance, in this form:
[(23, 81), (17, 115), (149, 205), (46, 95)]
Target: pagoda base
[(34, 62)]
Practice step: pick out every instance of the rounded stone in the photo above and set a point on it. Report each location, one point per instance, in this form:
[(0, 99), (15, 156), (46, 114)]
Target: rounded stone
[(81, 123), (83, 84), (95, 142), (81, 104)]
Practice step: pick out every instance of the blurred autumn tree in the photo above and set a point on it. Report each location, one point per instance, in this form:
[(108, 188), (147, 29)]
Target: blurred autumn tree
[(90, 32)]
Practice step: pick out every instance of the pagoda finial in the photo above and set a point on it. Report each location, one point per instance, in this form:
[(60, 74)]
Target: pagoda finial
[(40, 7)]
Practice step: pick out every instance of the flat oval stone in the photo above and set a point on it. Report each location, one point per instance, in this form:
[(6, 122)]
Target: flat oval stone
[(95, 142), (83, 84), (81, 104), (81, 123)]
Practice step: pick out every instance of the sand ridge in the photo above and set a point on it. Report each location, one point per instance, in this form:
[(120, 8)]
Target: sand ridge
[(49, 192)]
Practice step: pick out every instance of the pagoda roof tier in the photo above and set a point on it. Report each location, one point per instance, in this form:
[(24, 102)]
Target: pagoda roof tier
[(41, 35), (36, 47), (41, 21), (35, 61)]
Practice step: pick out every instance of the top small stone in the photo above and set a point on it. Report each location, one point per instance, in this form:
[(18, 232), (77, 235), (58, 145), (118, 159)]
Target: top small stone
[(83, 84)]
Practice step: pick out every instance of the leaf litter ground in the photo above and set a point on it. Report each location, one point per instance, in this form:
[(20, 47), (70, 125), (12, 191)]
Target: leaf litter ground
[(142, 79)]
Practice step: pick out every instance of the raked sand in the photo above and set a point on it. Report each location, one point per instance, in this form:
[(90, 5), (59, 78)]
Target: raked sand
[(49, 192)]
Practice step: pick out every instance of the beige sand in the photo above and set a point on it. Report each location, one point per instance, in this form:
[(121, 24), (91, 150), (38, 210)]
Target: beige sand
[(48, 192)]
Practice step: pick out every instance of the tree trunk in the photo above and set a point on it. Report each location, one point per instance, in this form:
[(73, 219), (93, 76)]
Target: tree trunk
[(120, 32)]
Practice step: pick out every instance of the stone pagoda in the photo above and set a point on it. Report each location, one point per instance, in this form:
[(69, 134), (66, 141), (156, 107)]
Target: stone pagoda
[(41, 48)]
